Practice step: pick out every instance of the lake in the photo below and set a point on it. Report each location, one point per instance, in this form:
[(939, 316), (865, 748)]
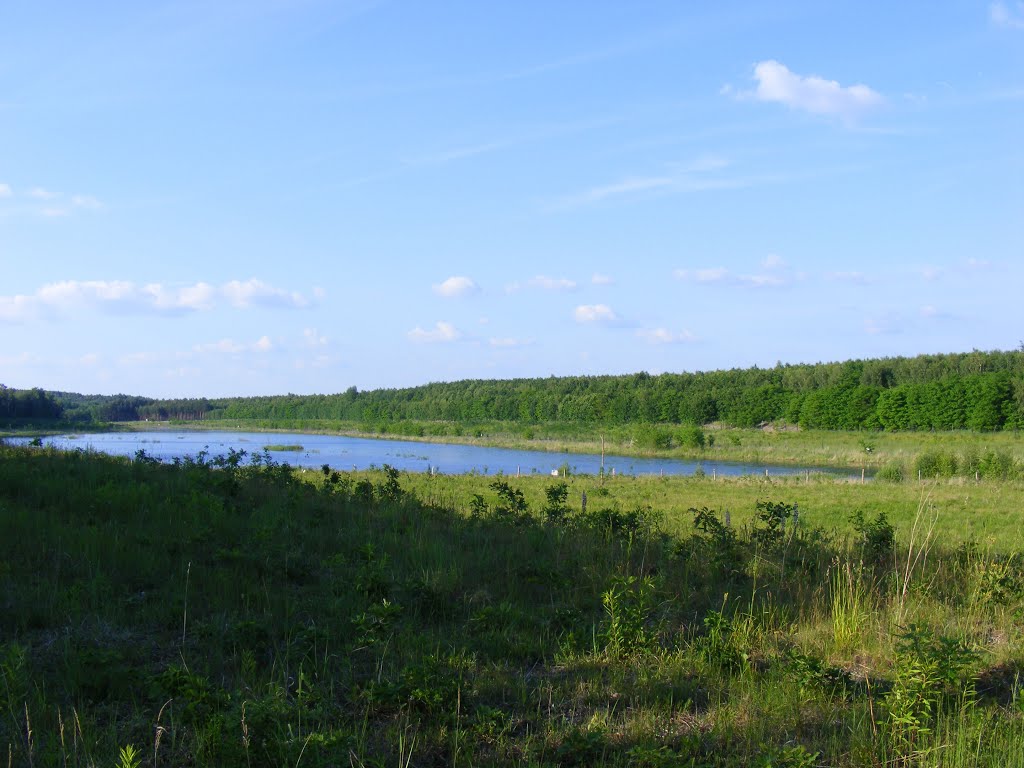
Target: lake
[(345, 453)]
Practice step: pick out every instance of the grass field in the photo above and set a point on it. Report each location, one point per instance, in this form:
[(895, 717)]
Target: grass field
[(226, 613)]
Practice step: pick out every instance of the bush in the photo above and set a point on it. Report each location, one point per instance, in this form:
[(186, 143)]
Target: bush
[(876, 538), (936, 464), (651, 438), (691, 437), (891, 473), (996, 465)]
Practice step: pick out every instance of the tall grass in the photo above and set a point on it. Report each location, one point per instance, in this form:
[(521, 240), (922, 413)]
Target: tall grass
[(223, 612)]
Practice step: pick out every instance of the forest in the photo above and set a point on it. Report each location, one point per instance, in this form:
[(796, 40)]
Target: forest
[(982, 391)]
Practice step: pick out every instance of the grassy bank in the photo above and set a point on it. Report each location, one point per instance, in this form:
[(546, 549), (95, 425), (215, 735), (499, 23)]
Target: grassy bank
[(987, 513), (235, 614)]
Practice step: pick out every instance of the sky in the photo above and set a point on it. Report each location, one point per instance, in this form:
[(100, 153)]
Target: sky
[(241, 198)]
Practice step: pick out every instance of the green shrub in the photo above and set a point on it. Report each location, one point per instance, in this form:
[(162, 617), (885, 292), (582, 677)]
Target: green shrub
[(691, 436), (936, 464), (892, 472), (650, 438), (629, 622), (996, 465), (556, 509), (876, 539)]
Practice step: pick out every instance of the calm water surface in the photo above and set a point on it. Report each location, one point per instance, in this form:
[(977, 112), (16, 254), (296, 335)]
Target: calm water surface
[(366, 453)]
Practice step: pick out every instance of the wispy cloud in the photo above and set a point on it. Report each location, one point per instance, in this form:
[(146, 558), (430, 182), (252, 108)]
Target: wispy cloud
[(594, 313), (127, 297), (441, 332), (456, 286), (552, 283), (543, 283), (305, 350), (600, 279), (311, 337), (625, 187), (723, 276), (462, 153), (85, 202), (857, 278), (931, 312), (665, 336), (884, 324), (40, 201), (524, 136), (808, 93), (232, 347), (1008, 16), (697, 176), (705, 275), (970, 266), (509, 342), (257, 293)]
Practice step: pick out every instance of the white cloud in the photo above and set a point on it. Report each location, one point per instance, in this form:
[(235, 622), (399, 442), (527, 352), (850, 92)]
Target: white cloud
[(312, 338), (12, 361), (441, 332), (887, 323), (226, 346), (544, 283), (1003, 15), (183, 372), (198, 296), (124, 296), (626, 186), (509, 342), (723, 276), (49, 204), (858, 278), (810, 93), (552, 283), (231, 347), (86, 201), (599, 279), (677, 177), (665, 336), (978, 264), (712, 275), (773, 261), (456, 286), (256, 292), (594, 313), (762, 281)]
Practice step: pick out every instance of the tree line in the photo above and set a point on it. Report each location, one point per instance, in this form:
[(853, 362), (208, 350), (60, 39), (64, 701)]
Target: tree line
[(28, 405), (975, 390)]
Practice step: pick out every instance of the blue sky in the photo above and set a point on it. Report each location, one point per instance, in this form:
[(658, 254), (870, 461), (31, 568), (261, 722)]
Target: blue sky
[(267, 197)]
